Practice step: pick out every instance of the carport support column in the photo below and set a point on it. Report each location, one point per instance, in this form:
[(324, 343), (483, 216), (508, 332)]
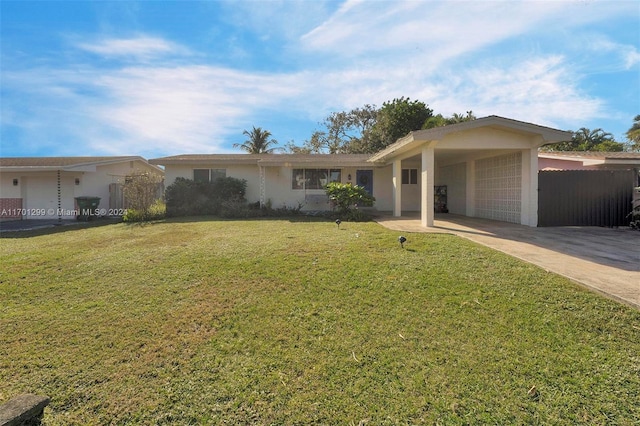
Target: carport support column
[(427, 184), (397, 188), (529, 190)]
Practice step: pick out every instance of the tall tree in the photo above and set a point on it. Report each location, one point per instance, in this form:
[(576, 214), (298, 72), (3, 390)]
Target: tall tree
[(633, 134), (366, 130), (259, 142), (343, 132), (396, 119), (587, 140)]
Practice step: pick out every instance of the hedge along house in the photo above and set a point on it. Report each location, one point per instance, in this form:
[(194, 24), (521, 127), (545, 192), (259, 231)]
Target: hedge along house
[(46, 187), (488, 166)]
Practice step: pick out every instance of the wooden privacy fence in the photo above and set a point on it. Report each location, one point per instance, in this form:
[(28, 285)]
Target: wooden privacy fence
[(585, 197)]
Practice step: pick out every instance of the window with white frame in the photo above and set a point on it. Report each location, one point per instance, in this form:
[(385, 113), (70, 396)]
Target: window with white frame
[(409, 176), (314, 178), (208, 175)]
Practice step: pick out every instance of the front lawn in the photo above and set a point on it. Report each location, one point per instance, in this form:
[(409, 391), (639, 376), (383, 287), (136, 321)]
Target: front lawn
[(297, 322)]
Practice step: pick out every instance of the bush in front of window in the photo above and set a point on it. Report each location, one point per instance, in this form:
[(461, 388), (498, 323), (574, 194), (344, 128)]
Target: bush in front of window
[(346, 198), (186, 197)]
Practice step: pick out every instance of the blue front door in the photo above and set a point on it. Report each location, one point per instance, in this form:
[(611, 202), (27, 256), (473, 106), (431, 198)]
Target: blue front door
[(365, 178)]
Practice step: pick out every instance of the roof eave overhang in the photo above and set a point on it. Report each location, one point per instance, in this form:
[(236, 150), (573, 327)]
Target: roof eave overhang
[(195, 162), (539, 135), (16, 169), (78, 167), (321, 163), (622, 161)]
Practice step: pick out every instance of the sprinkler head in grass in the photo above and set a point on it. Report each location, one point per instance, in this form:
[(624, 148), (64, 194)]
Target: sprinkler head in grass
[(338, 222), (402, 240)]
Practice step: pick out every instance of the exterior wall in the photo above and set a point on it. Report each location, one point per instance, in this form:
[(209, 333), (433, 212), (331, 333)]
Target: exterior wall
[(279, 191), (455, 177), (557, 164), (498, 190), (10, 197), (383, 188), (7, 190), (485, 138)]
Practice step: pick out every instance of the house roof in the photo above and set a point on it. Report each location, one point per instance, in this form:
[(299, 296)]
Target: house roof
[(590, 158), (418, 137), (292, 160), (207, 158), (62, 163)]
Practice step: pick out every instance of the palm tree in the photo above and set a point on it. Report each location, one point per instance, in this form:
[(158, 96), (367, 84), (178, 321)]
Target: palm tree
[(633, 134), (258, 142), (592, 140), (587, 140)]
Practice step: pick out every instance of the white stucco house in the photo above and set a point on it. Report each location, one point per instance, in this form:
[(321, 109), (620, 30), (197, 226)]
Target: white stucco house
[(489, 167), (46, 187)]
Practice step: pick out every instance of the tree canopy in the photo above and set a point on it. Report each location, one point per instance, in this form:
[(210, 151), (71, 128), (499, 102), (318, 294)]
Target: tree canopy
[(396, 119), (440, 121), (367, 129), (344, 132), (588, 140), (259, 142), (633, 134)]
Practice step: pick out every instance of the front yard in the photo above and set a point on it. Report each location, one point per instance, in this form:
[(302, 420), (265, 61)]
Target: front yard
[(297, 322)]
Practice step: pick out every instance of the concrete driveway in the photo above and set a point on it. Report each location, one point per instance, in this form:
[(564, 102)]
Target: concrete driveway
[(605, 260)]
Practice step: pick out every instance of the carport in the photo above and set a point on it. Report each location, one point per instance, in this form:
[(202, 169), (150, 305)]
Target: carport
[(488, 167)]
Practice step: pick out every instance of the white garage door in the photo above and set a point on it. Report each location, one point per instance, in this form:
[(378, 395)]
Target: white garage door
[(499, 188)]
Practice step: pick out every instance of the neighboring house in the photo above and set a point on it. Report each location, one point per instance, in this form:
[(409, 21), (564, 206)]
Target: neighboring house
[(46, 187), (588, 160), (483, 168)]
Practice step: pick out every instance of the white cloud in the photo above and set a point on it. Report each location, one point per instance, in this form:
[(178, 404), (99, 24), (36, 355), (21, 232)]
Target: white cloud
[(364, 53), (147, 110), (619, 56), (286, 19), (439, 29), (190, 108), (163, 110), (544, 90), (140, 47)]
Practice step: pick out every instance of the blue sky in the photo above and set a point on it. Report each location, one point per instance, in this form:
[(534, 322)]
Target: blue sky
[(156, 78)]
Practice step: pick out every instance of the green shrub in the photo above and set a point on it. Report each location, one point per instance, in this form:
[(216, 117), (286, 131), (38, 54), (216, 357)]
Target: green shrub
[(155, 212), (186, 197), (346, 198)]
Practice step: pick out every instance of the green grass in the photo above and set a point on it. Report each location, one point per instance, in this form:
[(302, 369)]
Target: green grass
[(298, 322)]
